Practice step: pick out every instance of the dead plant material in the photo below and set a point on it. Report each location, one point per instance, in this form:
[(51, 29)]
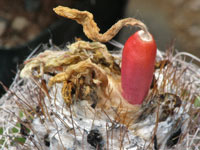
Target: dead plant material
[(90, 27), (58, 61), (80, 81)]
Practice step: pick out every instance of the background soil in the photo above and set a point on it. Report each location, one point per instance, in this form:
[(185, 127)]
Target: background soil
[(23, 20)]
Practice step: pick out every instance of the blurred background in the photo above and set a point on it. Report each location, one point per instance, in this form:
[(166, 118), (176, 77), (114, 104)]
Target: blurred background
[(25, 24)]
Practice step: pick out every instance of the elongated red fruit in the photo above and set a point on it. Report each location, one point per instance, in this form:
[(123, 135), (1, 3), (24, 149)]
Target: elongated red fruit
[(137, 69)]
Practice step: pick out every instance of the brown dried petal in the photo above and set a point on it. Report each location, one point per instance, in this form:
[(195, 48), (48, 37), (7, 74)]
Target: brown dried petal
[(90, 27)]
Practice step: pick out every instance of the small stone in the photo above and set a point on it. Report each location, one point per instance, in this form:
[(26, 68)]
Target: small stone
[(19, 23), (13, 41), (177, 2), (194, 31), (33, 32), (194, 5), (2, 26)]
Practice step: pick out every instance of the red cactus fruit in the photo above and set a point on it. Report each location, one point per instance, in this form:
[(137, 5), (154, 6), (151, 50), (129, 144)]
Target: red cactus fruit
[(137, 69)]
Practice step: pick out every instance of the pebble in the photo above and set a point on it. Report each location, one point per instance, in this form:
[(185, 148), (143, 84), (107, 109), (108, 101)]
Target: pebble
[(194, 5), (19, 23), (194, 31), (3, 24)]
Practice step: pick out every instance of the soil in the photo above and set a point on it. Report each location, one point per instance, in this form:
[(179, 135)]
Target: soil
[(23, 20)]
